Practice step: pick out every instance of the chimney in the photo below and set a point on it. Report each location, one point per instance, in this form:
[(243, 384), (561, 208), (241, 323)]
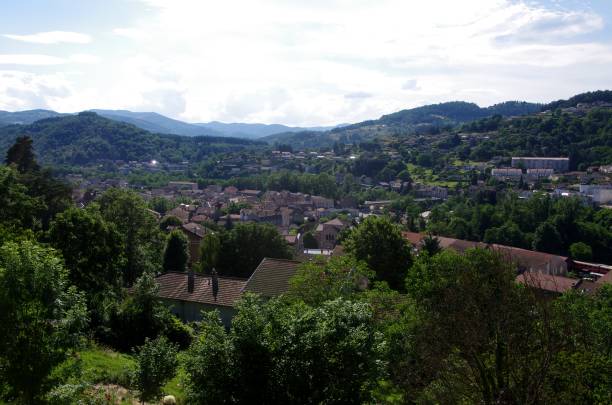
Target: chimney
[(215, 283), (190, 281)]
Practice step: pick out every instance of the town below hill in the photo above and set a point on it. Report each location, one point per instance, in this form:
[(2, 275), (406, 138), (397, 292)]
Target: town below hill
[(449, 261)]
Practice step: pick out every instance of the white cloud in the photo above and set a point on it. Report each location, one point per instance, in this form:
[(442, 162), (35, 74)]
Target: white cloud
[(52, 37), (47, 60), (132, 33), (22, 90), (326, 56), (324, 62), (84, 58), (30, 59)]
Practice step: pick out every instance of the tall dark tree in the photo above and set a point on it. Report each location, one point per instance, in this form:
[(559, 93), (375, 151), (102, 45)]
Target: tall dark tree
[(93, 254), (21, 155), (142, 239), (379, 243), (547, 239), (176, 254), (91, 248)]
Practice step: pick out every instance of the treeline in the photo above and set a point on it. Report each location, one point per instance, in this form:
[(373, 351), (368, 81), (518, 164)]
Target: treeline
[(88, 138), (560, 226)]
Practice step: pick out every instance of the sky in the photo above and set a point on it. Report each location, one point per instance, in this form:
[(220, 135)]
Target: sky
[(297, 62)]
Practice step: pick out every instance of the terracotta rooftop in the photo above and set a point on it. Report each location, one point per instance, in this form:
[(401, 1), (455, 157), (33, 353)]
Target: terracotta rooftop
[(548, 282), (271, 277), (526, 259), (173, 286)]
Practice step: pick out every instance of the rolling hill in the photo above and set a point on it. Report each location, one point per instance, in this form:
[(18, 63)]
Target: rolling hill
[(86, 138), (25, 117), (406, 122)]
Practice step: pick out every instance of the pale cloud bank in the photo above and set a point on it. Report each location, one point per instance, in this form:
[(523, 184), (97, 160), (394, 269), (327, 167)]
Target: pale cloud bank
[(320, 63), (52, 37)]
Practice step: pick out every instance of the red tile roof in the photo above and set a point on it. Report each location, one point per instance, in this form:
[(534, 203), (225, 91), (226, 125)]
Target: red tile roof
[(271, 277), (526, 259), (548, 282), (173, 286)]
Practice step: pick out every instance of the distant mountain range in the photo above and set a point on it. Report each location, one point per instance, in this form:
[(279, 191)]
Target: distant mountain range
[(157, 123), (417, 120)]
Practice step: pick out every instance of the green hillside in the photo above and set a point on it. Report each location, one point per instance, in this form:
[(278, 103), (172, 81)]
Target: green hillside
[(87, 138), (418, 120)]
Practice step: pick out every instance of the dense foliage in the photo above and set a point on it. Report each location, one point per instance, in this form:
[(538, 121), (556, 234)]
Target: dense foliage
[(585, 139), (379, 243), (42, 316), (281, 354), (540, 222), (156, 363), (238, 251)]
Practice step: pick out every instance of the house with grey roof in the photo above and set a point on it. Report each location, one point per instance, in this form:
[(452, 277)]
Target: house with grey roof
[(188, 294), (271, 277)]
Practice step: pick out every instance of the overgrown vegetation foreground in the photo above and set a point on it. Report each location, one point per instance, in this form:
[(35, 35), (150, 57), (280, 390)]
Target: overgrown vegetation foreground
[(378, 325)]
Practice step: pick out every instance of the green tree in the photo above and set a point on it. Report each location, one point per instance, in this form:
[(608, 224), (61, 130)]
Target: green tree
[(91, 248), (580, 251), (138, 316), (142, 240), (481, 338), (547, 239), (54, 195), (21, 155), (210, 248), (156, 364), (243, 248), (580, 371), (507, 234), (209, 364), (19, 209), (379, 243), (318, 281), (283, 353), (42, 318), (176, 253)]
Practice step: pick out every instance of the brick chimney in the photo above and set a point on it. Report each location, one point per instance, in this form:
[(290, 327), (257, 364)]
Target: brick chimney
[(190, 281)]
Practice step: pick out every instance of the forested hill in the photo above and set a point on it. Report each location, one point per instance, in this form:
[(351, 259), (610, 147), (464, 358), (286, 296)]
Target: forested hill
[(87, 137), (586, 138), (599, 96), (450, 113), (412, 121)]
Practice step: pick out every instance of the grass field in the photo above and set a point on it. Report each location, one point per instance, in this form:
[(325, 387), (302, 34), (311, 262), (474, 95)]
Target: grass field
[(104, 366)]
